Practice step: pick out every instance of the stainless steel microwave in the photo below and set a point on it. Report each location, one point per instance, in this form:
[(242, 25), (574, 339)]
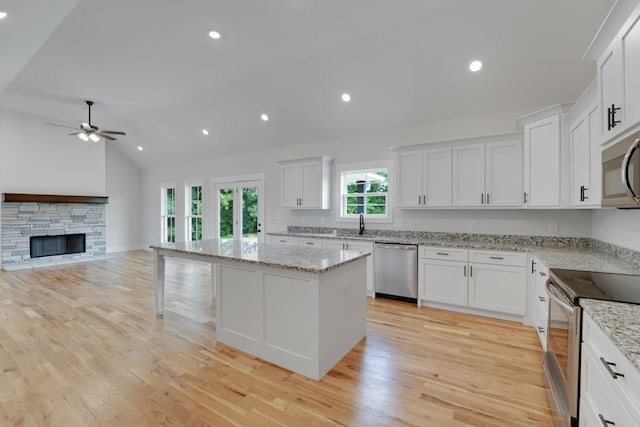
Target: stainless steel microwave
[(621, 173)]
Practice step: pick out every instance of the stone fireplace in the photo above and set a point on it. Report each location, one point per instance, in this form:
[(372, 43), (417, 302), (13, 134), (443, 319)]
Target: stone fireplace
[(60, 229)]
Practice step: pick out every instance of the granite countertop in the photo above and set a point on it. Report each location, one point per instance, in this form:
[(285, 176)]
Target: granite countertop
[(312, 260), (585, 259), (620, 322)]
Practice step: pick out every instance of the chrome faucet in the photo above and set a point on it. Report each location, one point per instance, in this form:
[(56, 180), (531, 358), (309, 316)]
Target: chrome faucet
[(361, 224)]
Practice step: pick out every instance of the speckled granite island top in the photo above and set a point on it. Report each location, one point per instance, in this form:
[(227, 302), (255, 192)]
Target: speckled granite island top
[(312, 260), (620, 322)]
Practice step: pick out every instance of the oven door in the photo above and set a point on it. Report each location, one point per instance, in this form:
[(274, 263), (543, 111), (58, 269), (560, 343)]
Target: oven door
[(562, 358), (621, 174)]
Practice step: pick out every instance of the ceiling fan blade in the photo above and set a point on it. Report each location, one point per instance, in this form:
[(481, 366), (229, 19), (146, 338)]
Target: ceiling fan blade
[(62, 126), (113, 132), (110, 138), (76, 133)]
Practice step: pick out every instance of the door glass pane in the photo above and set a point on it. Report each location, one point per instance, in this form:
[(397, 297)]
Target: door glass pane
[(250, 213), (225, 209), (171, 229)]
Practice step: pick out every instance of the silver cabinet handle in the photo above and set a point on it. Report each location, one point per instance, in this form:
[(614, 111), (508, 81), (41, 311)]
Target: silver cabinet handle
[(608, 365), (419, 199), (542, 299), (487, 198), (525, 197), (496, 257), (541, 329), (533, 266), (605, 422), (471, 271), (543, 274), (482, 198), (465, 271), (624, 171), (442, 253), (424, 199)]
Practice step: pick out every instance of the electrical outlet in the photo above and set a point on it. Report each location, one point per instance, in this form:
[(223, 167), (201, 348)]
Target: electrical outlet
[(473, 224), (553, 227), (412, 223)]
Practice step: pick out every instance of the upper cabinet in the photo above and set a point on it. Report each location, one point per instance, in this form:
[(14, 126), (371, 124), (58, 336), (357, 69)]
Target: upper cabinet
[(305, 183), (424, 178), (488, 174), (474, 172), (616, 49), (584, 122), (545, 156)]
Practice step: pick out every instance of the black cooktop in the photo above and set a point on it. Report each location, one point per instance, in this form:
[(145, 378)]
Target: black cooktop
[(605, 286)]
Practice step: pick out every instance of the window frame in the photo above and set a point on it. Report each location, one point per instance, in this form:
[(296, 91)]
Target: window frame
[(189, 216), (343, 169), (165, 215)]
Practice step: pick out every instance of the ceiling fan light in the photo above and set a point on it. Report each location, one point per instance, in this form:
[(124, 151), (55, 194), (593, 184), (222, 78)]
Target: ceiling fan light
[(94, 138), (83, 136)]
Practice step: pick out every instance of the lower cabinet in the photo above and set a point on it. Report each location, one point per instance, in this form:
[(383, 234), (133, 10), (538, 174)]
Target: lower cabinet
[(355, 245), (540, 303), (283, 240), (609, 383), (491, 283)]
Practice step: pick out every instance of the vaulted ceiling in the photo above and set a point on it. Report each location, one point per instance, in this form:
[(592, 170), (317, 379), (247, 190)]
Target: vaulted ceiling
[(154, 72)]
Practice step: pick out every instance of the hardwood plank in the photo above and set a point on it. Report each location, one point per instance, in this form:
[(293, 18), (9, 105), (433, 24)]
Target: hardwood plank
[(81, 345)]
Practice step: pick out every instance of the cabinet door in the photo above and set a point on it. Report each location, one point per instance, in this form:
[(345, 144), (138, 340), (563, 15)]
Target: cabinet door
[(438, 176), (594, 193), (580, 162), (468, 175), (610, 87), (333, 244), (542, 162), (630, 57), (365, 247), (409, 183), (290, 186), (497, 288), (311, 185), (443, 281), (503, 173)]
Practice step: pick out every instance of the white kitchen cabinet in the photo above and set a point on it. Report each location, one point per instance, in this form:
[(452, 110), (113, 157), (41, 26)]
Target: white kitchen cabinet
[(424, 178), (618, 72), (498, 282), (604, 393), (540, 300), (305, 183), (586, 166), (283, 240), (356, 245), (489, 283), (488, 174), (442, 275)]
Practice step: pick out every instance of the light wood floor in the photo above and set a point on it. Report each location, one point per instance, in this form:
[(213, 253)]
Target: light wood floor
[(81, 346)]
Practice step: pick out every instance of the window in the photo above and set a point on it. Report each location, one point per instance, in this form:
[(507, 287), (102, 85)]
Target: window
[(168, 198), (365, 191), (194, 212)]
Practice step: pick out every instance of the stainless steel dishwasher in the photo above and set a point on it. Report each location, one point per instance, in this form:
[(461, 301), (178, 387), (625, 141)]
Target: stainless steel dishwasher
[(396, 271)]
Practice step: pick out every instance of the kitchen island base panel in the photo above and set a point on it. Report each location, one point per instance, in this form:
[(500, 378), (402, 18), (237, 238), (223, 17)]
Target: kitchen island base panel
[(304, 322)]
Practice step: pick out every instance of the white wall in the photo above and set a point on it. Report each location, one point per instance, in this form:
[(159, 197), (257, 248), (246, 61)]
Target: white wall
[(352, 150), (124, 213), (41, 159), (620, 227)]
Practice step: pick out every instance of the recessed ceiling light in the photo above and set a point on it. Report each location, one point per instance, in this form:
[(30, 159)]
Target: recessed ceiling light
[(140, 148), (205, 132), (346, 97), (475, 65), (264, 117), (3, 14), (215, 34)]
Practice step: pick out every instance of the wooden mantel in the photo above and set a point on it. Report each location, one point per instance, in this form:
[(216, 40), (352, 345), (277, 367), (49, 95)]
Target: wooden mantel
[(52, 198)]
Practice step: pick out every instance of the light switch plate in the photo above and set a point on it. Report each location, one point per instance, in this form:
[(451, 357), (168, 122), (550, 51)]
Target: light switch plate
[(553, 227)]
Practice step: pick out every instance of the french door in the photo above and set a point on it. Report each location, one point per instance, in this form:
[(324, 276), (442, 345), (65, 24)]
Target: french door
[(240, 210)]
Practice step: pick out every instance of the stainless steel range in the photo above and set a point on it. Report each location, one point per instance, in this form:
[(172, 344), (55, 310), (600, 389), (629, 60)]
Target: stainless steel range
[(562, 358)]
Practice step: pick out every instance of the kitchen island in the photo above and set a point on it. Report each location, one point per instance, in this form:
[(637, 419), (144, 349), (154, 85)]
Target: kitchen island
[(300, 308)]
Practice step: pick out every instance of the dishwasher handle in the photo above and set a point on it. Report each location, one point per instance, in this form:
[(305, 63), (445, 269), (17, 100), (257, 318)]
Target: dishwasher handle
[(401, 247)]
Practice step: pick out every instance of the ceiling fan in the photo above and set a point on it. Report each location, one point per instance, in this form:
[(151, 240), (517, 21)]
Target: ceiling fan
[(89, 132)]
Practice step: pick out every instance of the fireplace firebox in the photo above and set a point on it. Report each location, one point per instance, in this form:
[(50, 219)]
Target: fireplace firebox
[(63, 244)]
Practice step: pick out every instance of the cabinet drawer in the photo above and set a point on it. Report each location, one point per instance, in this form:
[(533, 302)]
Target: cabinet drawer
[(518, 259), (283, 240), (315, 243), (448, 254), (540, 323), (626, 387)]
